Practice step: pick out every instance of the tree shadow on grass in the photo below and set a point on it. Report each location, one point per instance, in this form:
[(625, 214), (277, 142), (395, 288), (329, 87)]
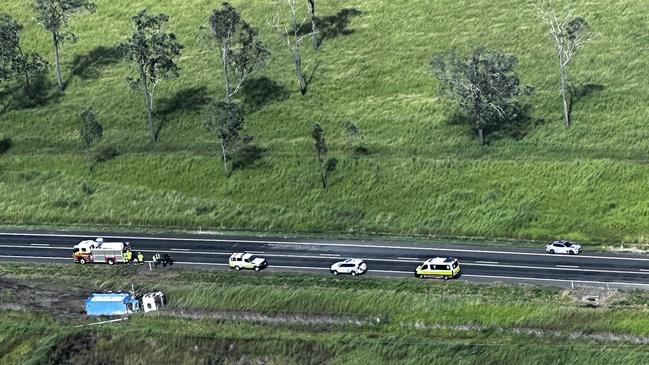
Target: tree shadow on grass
[(185, 100), (88, 65), (516, 127), (332, 26), (582, 91), (40, 92), (260, 91)]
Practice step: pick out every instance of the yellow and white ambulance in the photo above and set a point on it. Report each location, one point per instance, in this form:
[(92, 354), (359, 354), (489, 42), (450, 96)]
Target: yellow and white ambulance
[(439, 267)]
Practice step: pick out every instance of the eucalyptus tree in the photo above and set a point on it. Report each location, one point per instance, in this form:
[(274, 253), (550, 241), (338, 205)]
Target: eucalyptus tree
[(152, 51), (54, 16)]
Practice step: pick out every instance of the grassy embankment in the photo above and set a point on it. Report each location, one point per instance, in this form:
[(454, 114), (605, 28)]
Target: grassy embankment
[(424, 176), (430, 321)]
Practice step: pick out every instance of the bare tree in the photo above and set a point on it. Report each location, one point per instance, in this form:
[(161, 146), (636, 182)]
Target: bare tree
[(314, 31), (569, 34), (291, 34)]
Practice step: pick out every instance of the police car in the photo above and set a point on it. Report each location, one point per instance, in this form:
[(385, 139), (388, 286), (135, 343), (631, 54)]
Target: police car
[(249, 261), (349, 266)]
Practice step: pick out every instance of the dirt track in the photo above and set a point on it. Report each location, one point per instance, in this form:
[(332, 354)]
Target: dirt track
[(57, 299)]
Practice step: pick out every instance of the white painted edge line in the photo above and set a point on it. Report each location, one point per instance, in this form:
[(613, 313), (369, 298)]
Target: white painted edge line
[(486, 262), (568, 266), (256, 252), (384, 271), (40, 244), (578, 257), (647, 270), (179, 249), (322, 254), (409, 258)]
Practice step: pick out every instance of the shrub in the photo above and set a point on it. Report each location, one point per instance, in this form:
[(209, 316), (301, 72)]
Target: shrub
[(5, 144)]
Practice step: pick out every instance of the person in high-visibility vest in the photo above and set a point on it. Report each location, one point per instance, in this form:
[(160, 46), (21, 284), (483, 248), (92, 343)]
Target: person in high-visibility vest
[(140, 258)]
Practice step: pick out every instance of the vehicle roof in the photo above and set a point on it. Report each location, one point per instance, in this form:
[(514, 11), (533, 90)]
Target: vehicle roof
[(564, 242), (440, 260), (241, 255), (110, 297), (350, 261)]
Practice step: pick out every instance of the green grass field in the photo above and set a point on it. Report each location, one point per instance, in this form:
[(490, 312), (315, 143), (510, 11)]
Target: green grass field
[(424, 175), (432, 321)]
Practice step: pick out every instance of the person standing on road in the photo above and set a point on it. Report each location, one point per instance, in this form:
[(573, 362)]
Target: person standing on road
[(140, 258)]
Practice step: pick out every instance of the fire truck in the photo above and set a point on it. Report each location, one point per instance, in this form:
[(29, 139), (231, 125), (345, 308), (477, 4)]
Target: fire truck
[(98, 251)]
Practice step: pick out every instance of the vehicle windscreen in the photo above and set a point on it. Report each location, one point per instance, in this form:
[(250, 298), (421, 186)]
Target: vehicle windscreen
[(454, 264)]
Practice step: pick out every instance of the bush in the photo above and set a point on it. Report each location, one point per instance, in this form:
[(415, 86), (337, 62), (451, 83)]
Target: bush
[(5, 144), (106, 154), (247, 155), (87, 189)]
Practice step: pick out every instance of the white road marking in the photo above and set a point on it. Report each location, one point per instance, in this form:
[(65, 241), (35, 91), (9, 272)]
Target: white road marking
[(36, 257), (297, 243), (383, 271), (644, 270), (409, 258), (179, 249), (568, 266), (321, 256), (39, 244), (487, 262), (256, 252)]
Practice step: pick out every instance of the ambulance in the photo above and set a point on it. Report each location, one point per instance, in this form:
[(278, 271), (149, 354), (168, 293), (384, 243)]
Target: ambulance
[(439, 267)]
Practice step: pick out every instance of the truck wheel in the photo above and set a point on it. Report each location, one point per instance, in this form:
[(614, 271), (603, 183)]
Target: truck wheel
[(334, 272), (237, 268), (111, 262), (572, 252), (82, 261), (444, 277), (353, 273), (552, 251), (257, 268)]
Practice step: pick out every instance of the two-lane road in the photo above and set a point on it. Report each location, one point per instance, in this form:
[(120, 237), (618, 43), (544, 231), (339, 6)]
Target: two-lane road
[(383, 257)]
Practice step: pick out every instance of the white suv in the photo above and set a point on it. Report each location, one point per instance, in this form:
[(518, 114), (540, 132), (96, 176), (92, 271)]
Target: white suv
[(563, 246), (240, 261), (350, 266)]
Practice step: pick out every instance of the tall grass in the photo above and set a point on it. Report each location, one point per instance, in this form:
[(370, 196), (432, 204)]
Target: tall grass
[(424, 175)]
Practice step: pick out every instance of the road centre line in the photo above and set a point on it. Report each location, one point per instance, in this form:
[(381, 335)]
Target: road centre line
[(40, 244), (179, 249), (647, 270), (568, 266), (322, 244), (326, 254), (409, 258), (34, 257), (486, 262), (406, 261)]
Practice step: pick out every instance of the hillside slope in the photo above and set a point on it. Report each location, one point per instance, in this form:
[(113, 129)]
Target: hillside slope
[(424, 174)]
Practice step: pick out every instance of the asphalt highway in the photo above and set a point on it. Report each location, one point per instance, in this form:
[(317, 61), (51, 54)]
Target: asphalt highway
[(385, 258)]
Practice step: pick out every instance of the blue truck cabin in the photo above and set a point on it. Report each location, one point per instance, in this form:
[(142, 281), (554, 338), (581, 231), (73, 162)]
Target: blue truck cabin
[(111, 304)]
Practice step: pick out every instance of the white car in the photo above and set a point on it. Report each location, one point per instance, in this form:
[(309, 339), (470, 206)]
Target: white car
[(240, 261), (349, 266), (563, 246)]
